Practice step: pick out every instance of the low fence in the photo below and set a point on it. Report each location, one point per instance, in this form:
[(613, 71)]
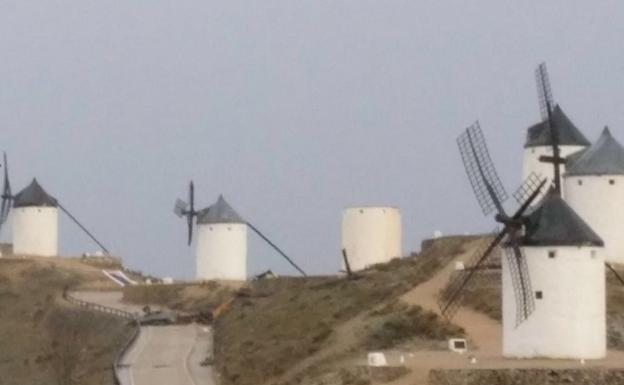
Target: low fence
[(117, 365), (98, 308)]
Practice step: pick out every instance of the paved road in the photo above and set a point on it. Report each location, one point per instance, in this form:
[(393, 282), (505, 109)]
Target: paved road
[(167, 355)]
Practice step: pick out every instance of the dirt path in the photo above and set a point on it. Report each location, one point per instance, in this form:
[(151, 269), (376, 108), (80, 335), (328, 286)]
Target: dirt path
[(485, 339), (485, 333)]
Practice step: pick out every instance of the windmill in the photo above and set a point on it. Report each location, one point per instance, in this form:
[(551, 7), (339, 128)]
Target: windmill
[(491, 195), (222, 240), (607, 149), (554, 127), (35, 223), (546, 249)]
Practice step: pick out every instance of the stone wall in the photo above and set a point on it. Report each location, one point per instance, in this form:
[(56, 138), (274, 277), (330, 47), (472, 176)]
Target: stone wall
[(590, 376)]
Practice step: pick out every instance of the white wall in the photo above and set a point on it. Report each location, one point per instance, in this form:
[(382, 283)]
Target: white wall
[(221, 251), (601, 205), (532, 164), (371, 235), (35, 231), (569, 322)]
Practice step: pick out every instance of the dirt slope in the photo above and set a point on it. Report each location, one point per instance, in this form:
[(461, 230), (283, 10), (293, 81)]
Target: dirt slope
[(44, 340), (292, 330)]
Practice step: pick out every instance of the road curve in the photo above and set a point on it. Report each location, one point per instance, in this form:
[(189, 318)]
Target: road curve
[(167, 355)]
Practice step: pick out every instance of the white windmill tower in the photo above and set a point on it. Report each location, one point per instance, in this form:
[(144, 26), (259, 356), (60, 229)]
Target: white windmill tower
[(566, 265), (34, 214), (594, 187), (538, 145), (35, 222), (553, 275), (370, 235), (221, 250)]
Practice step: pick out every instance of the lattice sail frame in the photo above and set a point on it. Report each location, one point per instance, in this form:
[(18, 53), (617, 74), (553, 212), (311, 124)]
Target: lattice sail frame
[(477, 162), (6, 194), (490, 194), (544, 91), (521, 282), (528, 187)]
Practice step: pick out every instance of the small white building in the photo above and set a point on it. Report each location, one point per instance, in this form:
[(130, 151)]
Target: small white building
[(539, 143), (594, 188), (35, 222), (565, 261), (371, 235), (221, 243)]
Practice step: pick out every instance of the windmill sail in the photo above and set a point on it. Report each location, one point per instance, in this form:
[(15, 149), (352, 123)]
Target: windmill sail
[(7, 196), (484, 180), (544, 92), (490, 194), (521, 282)]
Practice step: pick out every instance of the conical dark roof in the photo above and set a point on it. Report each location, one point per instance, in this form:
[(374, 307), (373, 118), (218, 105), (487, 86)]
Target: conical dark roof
[(569, 134), (554, 223), (605, 157), (220, 212), (34, 195)]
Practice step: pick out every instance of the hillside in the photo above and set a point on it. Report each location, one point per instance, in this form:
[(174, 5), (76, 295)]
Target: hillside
[(184, 297), (301, 330), (45, 340)]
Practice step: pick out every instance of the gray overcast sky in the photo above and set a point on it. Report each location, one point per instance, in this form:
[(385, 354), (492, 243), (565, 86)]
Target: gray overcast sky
[(292, 109)]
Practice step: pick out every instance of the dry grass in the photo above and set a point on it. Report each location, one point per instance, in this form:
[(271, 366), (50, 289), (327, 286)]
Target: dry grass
[(35, 325), (280, 322), (397, 323), (201, 297), (485, 295), (615, 312)]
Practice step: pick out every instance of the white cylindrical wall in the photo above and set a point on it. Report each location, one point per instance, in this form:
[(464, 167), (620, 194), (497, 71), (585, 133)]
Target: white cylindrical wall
[(371, 235), (222, 251), (599, 200), (532, 164), (35, 231), (569, 321)]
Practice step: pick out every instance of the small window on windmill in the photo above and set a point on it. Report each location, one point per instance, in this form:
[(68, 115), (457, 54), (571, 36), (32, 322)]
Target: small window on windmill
[(229, 228), (592, 254), (611, 182), (552, 254), (580, 182), (361, 211), (539, 294)]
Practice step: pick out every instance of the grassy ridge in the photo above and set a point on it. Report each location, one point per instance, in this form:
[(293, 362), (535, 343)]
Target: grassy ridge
[(45, 341), (280, 322), (203, 297)]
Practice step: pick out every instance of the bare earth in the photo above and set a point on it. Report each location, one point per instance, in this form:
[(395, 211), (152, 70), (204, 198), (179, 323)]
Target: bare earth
[(485, 337), (167, 355)]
